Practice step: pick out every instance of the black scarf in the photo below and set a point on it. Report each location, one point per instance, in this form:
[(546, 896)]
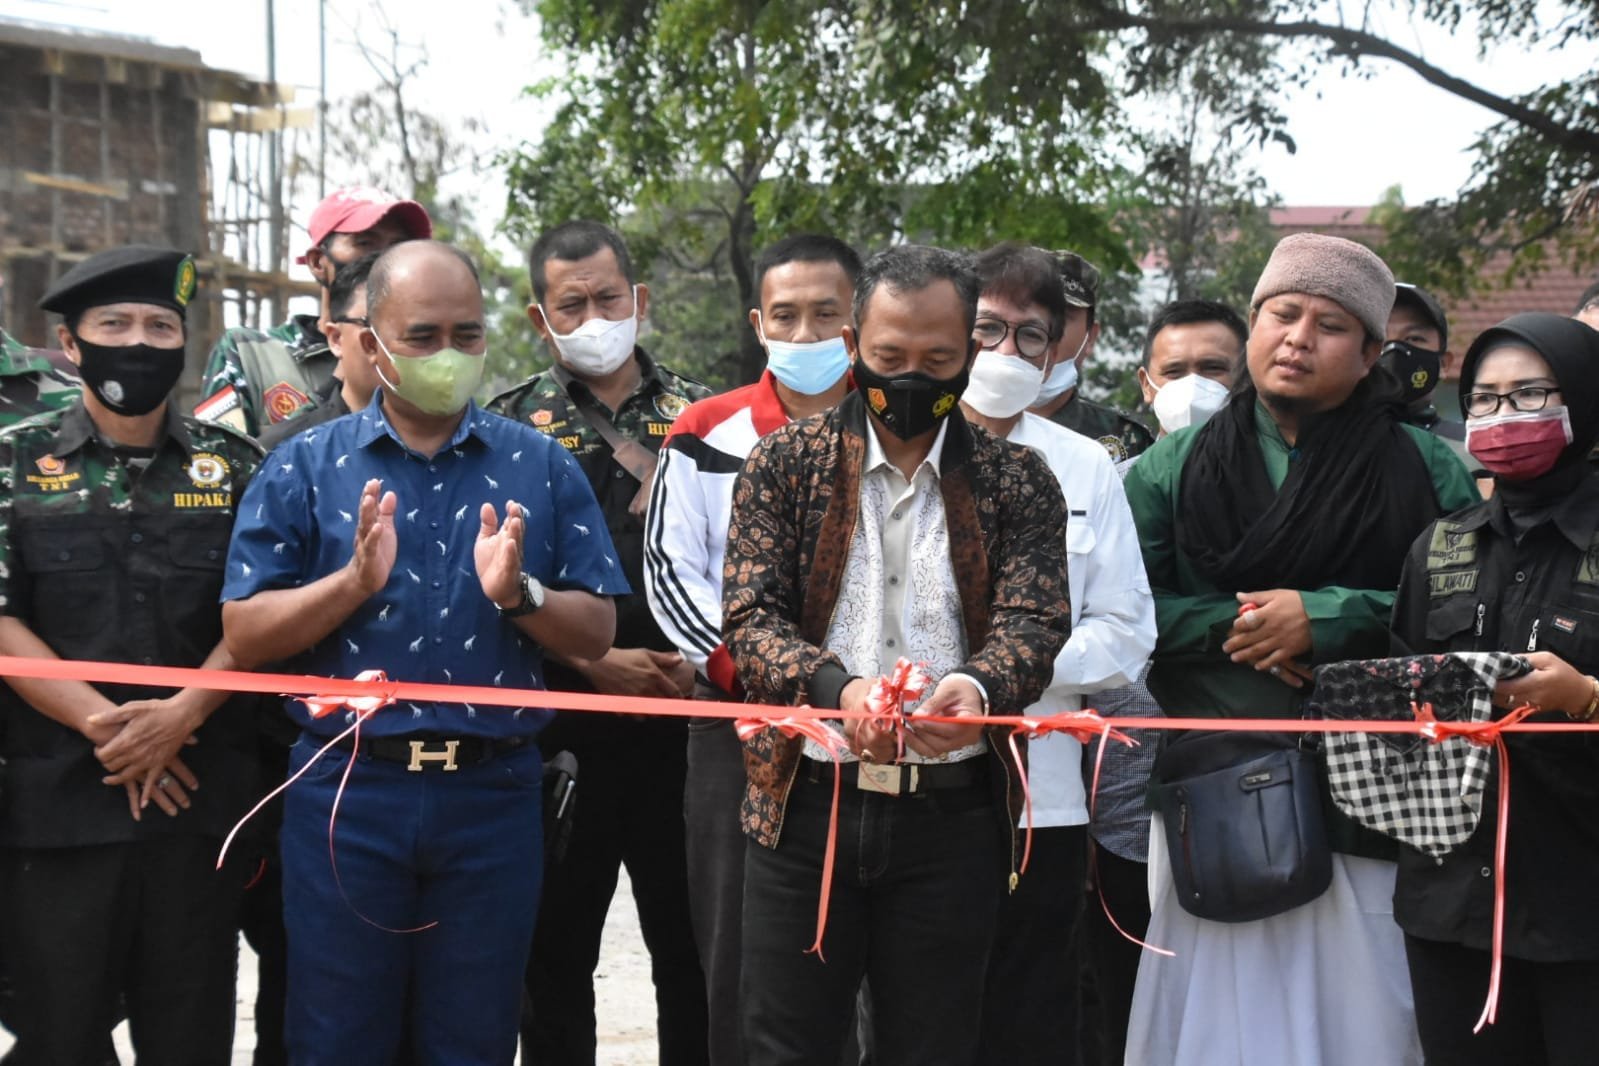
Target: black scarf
[(1353, 502)]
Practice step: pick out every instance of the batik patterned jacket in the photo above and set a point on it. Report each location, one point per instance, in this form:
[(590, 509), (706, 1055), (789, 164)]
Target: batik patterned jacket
[(794, 511)]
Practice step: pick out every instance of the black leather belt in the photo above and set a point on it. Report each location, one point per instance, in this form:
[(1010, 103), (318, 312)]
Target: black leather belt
[(900, 779), (430, 751)]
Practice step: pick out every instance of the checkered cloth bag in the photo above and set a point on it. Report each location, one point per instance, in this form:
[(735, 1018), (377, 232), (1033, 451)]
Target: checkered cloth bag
[(1425, 794)]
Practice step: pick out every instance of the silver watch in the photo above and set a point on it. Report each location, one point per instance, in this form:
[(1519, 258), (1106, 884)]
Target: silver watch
[(532, 599)]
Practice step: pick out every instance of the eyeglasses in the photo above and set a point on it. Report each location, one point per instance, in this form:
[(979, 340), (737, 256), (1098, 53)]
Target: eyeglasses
[(1486, 404), (351, 321), (1032, 341)]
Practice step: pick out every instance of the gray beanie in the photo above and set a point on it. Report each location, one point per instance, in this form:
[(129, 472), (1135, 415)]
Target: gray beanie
[(1318, 265)]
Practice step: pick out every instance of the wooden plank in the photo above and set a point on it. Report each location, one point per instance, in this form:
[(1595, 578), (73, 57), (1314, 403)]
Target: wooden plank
[(115, 191), (260, 119)]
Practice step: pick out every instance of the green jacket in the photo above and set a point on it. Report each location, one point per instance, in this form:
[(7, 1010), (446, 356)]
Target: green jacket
[(1189, 675)]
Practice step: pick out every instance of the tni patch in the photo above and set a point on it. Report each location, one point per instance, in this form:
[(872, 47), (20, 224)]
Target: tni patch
[(1451, 547)]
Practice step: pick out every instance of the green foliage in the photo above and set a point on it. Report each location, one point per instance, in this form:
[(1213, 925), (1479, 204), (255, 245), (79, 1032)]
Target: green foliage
[(704, 129)]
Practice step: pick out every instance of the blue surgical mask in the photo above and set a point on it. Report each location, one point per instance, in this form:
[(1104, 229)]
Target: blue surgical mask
[(809, 369)]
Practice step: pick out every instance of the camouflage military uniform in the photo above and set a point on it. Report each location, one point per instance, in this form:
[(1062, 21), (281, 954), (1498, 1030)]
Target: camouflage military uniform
[(1118, 434), (117, 555), (544, 402), (635, 771), (107, 562), (254, 379), (30, 381)]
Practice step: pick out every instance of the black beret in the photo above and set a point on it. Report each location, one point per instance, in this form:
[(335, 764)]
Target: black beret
[(134, 273)]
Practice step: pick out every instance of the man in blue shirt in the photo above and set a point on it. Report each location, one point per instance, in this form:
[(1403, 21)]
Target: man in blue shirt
[(372, 543)]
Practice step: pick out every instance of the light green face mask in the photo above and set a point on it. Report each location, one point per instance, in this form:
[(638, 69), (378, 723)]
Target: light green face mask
[(436, 384)]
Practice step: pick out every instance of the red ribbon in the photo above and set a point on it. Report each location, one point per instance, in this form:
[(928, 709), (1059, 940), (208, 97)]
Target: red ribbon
[(363, 707), (833, 743), (1485, 734), (886, 700), (372, 685)]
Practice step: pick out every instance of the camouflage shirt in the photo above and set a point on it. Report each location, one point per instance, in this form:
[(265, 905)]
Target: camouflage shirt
[(32, 381), (116, 555), (544, 402), (1121, 436), (254, 379)]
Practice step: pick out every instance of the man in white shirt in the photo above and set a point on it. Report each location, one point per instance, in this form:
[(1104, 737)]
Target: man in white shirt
[(1019, 317)]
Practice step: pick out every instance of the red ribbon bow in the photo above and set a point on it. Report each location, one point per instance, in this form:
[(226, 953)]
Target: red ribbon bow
[(1485, 734), (886, 700), (362, 707)]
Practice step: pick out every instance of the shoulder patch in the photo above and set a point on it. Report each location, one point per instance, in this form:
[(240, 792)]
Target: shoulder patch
[(1451, 547), (281, 401), (1588, 568), (1115, 446)]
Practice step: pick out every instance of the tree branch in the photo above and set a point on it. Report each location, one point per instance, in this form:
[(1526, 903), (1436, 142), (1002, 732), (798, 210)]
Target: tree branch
[(1358, 43)]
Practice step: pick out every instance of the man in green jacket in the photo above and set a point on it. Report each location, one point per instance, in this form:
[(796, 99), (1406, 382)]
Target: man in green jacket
[(1273, 537)]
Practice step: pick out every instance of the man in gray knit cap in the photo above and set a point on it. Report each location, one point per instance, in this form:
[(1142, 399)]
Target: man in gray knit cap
[(1273, 535)]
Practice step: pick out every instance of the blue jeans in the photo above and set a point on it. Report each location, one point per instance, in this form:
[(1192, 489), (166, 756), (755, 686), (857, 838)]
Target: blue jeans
[(462, 848), (916, 889)]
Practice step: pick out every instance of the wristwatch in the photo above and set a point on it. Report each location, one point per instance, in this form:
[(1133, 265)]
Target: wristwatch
[(532, 599)]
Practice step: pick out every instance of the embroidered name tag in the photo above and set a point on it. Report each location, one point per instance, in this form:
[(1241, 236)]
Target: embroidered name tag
[(1449, 583)]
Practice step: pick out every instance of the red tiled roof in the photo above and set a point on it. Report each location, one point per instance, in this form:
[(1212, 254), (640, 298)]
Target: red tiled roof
[(1555, 289)]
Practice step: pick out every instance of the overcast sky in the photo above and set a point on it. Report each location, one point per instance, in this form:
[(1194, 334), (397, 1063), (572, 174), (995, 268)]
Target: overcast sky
[(483, 54)]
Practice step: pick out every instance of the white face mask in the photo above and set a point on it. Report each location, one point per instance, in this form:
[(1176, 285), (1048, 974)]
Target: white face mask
[(1062, 376), (1188, 401), (599, 346), (1002, 385)]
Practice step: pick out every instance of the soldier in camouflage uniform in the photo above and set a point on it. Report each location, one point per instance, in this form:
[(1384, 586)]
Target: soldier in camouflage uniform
[(255, 379), (31, 381), (1061, 400), (115, 515), (587, 308)]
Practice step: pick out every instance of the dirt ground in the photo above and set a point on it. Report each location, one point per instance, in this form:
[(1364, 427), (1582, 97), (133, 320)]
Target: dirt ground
[(624, 997)]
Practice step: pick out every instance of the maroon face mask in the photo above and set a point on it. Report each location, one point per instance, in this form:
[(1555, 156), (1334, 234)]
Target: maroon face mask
[(1520, 446)]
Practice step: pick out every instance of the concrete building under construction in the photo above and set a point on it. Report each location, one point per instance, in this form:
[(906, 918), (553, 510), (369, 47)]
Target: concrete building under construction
[(106, 140)]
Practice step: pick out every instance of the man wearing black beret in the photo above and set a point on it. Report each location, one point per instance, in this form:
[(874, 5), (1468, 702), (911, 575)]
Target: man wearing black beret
[(115, 514)]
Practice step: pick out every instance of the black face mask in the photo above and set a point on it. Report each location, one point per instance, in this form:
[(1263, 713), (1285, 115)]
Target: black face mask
[(909, 405), (1416, 369), (130, 379)]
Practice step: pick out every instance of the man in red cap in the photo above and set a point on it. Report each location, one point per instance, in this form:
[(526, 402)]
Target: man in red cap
[(254, 379)]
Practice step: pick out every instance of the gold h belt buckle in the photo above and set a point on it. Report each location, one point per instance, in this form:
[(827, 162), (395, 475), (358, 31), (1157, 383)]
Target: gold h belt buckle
[(420, 755), (886, 778)]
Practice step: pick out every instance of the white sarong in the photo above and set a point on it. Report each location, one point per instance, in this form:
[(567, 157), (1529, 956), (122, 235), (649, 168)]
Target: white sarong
[(1325, 984)]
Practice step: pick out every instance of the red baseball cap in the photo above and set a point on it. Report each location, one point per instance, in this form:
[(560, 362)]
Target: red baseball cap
[(361, 207)]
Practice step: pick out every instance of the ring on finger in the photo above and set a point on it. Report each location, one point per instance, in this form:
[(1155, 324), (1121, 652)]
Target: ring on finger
[(164, 781), (1276, 671)]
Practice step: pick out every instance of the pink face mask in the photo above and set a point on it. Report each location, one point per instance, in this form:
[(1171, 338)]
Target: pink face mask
[(1522, 445)]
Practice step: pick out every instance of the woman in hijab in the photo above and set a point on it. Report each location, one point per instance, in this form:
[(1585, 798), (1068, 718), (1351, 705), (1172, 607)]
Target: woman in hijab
[(1519, 573)]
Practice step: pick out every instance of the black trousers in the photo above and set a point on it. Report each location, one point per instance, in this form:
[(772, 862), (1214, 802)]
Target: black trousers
[(629, 812), (1545, 1015), (711, 799), (1030, 999), (153, 922), (1111, 960), (915, 894)]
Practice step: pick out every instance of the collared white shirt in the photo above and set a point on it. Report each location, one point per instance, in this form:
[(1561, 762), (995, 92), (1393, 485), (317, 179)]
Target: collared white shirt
[(1113, 611), (899, 596)]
